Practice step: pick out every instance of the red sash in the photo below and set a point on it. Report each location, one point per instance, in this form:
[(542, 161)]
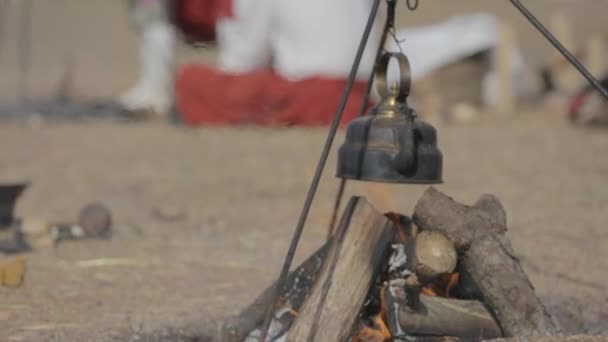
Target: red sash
[(209, 97), (197, 18)]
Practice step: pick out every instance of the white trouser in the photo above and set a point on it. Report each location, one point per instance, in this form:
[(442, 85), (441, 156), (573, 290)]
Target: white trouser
[(154, 89)]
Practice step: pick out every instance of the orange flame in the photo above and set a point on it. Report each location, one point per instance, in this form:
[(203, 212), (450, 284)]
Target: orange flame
[(452, 283), (378, 332), (429, 291), (443, 286), (394, 218)]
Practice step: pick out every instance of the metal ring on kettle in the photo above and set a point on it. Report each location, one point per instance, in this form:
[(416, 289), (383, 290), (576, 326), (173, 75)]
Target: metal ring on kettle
[(405, 76)]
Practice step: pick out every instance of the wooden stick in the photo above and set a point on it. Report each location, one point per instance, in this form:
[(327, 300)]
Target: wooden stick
[(478, 233), (504, 70), (331, 310), (299, 282)]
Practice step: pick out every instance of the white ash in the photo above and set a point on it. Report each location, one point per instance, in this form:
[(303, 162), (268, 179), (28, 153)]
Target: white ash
[(367, 302), (398, 260), (395, 287), (277, 332), (404, 337), (301, 277), (398, 294), (399, 331), (255, 335)]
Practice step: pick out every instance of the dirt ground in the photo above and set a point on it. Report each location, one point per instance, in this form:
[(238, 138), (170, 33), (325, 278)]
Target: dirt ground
[(238, 192)]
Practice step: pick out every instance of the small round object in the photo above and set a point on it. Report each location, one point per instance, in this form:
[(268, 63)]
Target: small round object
[(435, 255), (95, 219)]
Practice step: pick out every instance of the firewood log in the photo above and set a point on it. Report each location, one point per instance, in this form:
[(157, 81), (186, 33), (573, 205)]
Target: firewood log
[(438, 316), (298, 284), (353, 262), (478, 233), (435, 255)]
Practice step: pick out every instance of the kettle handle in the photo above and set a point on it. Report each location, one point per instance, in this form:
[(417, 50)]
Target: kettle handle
[(405, 159), (405, 75)]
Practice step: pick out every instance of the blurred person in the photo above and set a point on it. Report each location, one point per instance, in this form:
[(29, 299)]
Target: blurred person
[(589, 107), (153, 91), (280, 61)]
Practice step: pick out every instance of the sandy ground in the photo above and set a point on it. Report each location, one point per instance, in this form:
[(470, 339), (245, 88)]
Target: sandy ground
[(240, 191)]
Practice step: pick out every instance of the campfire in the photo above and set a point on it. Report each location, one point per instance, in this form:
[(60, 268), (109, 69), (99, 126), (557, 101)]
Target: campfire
[(446, 273)]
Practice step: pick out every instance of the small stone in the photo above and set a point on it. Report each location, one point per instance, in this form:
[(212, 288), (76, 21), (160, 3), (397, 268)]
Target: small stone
[(95, 219)]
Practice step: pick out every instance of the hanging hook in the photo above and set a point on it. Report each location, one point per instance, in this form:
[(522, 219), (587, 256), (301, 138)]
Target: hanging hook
[(390, 14), (381, 71), (412, 5)]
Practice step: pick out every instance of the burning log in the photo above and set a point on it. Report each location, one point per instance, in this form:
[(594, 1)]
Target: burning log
[(299, 282), (435, 255), (353, 263), (478, 233), (437, 316)]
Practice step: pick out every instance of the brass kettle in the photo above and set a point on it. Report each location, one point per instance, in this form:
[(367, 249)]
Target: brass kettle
[(390, 144)]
